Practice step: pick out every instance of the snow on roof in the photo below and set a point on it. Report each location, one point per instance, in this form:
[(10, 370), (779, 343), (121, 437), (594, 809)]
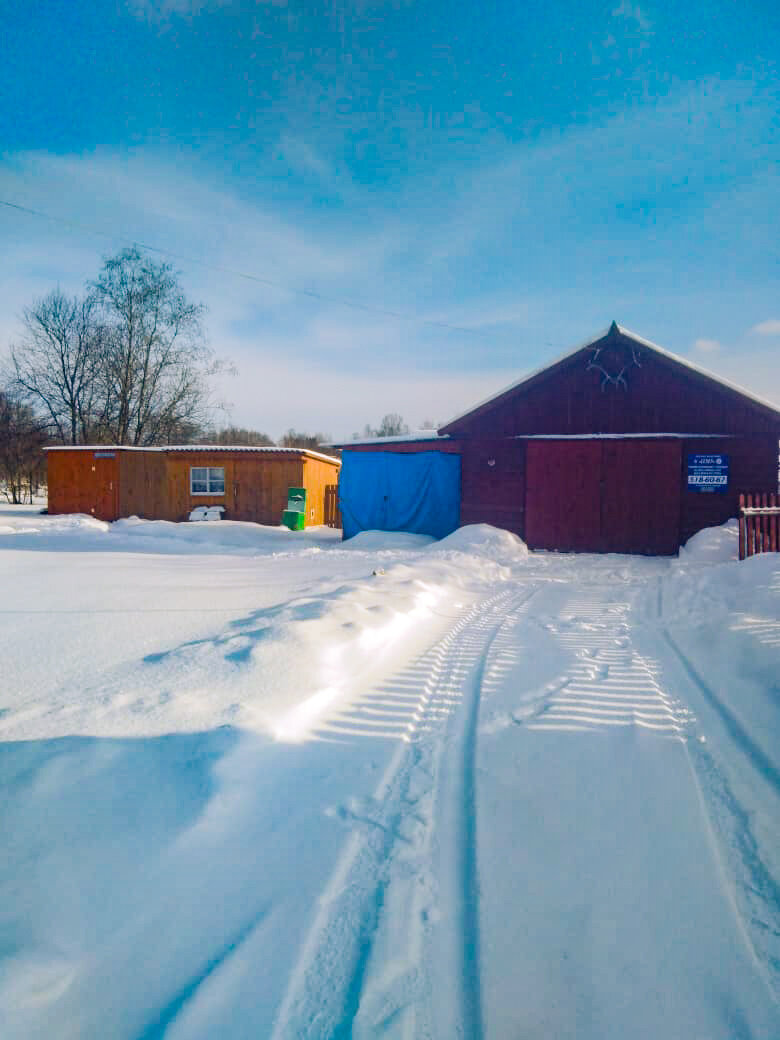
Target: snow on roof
[(617, 436), (403, 438), (595, 339), (269, 448)]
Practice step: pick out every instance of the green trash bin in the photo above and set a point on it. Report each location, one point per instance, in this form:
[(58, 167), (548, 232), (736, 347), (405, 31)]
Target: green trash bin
[(294, 515)]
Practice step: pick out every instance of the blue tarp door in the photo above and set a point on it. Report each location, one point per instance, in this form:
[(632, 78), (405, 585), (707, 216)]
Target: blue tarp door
[(391, 491)]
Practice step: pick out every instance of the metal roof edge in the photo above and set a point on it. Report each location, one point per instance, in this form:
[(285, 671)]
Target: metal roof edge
[(268, 449), (735, 387), (401, 439)]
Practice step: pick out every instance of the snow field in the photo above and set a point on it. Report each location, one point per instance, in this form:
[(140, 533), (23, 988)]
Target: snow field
[(264, 783)]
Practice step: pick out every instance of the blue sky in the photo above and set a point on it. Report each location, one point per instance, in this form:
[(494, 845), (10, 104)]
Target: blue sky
[(525, 175)]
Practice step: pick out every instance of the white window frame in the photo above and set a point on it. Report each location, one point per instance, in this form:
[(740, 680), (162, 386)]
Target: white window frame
[(214, 476)]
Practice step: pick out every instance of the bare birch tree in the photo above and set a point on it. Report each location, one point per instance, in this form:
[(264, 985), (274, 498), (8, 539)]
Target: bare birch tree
[(154, 360), (55, 365)]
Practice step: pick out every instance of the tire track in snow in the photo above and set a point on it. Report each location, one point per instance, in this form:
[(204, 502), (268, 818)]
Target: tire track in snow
[(759, 760), (456, 834), (752, 890), (326, 996)]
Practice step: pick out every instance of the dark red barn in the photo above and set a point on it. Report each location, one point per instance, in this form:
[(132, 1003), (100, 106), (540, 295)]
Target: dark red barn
[(619, 446)]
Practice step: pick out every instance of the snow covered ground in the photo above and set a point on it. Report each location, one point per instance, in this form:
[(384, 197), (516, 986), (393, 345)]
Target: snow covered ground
[(257, 783)]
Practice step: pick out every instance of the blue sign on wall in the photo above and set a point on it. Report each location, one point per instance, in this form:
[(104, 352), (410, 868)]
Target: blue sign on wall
[(708, 472)]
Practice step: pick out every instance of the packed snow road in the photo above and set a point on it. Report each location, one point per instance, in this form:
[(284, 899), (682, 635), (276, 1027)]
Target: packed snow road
[(258, 784)]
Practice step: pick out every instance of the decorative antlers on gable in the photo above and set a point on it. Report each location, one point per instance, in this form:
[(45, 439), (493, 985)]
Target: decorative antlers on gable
[(608, 379)]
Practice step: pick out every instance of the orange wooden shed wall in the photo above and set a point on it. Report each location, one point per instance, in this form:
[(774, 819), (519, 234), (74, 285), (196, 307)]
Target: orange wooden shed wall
[(113, 482)]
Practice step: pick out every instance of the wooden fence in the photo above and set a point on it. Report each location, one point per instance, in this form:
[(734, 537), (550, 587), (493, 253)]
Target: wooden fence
[(332, 511), (759, 524)]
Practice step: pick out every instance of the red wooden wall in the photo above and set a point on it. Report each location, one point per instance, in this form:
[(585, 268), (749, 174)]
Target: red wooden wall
[(752, 467)]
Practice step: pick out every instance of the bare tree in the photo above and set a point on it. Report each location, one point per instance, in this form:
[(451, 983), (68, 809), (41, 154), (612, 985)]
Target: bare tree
[(155, 364), (21, 449), (392, 425), (236, 435), (55, 365), (296, 439)]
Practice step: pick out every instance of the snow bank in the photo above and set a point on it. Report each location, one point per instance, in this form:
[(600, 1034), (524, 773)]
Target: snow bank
[(224, 536), (713, 544), (384, 541), (485, 541), (133, 534)]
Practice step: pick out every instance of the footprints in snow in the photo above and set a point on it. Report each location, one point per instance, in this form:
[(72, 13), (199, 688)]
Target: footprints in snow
[(608, 685)]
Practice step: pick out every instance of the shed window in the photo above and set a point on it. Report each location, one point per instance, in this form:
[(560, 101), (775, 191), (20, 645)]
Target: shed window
[(207, 480)]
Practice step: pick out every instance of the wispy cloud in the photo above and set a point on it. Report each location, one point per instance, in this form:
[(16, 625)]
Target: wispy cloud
[(767, 328), (303, 157), (707, 346)]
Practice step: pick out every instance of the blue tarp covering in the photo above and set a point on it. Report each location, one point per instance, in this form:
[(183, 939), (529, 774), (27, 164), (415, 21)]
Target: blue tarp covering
[(390, 491)]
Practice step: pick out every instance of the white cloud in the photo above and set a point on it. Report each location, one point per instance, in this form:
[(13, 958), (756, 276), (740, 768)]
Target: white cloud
[(768, 328), (707, 346), (301, 155)]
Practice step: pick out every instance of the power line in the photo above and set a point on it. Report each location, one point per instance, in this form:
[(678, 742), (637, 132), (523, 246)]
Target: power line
[(310, 293)]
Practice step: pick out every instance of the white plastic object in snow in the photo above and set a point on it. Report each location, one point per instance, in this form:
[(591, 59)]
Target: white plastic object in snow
[(207, 513)]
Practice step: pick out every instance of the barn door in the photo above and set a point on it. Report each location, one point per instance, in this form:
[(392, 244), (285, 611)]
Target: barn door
[(640, 511), (563, 496), (603, 496)]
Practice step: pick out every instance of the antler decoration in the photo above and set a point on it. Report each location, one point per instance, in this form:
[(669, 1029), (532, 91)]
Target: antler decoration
[(608, 379)]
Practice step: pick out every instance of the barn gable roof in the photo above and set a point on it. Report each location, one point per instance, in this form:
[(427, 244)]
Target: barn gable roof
[(614, 332)]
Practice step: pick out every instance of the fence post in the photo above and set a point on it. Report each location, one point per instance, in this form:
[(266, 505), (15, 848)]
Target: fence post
[(742, 534)]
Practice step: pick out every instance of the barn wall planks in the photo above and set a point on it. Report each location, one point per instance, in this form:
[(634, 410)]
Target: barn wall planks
[(493, 483), (752, 467)]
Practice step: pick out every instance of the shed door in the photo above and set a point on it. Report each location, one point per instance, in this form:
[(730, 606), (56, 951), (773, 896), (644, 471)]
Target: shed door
[(640, 510), (563, 497), (104, 492)]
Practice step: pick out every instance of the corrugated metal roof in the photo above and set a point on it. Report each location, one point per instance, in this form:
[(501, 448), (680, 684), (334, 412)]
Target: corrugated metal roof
[(267, 448), (403, 438)]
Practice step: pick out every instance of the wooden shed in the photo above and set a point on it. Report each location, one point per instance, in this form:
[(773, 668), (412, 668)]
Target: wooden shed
[(619, 446), (251, 483)]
